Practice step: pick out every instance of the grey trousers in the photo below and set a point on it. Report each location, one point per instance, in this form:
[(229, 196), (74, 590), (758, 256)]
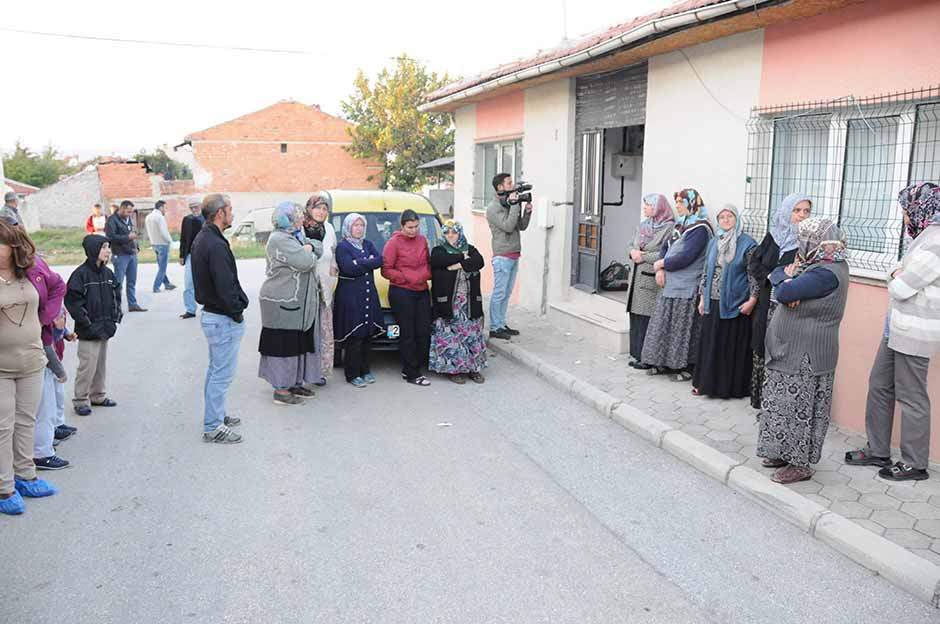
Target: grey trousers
[(902, 378)]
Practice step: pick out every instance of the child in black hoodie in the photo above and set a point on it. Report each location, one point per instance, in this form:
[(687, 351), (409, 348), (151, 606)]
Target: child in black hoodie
[(93, 299)]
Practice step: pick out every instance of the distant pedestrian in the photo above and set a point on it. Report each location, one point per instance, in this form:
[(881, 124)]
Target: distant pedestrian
[(10, 209), (290, 309), (357, 313), (405, 265), (506, 216), (318, 227), (655, 228), (94, 301), (802, 353), (113, 208), (911, 337), (458, 346), (191, 225), (215, 277), (122, 237), (30, 297), (50, 419), (159, 234), (96, 221)]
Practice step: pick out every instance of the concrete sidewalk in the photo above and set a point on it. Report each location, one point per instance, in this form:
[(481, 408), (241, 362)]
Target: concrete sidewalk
[(832, 506)]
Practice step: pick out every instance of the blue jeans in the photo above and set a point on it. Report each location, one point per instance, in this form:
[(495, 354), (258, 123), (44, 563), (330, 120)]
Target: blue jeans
[(504, 279), (50, 415), (189, 291), (224, 336), (163, 255), (126, 266)]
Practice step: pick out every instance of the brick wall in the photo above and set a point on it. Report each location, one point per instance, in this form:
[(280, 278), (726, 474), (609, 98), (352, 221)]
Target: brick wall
[(177, 187), (245, 155), (124, 180), (261, 167)]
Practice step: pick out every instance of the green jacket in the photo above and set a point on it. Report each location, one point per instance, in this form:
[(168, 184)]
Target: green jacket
[(505, 225)]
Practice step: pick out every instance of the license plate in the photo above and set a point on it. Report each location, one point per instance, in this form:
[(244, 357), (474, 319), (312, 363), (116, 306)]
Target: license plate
[(393, 331)]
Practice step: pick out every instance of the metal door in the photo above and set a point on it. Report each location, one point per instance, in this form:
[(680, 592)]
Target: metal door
[(590, 209)]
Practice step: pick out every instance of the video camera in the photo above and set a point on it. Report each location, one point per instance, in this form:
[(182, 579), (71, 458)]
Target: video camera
[(523, 195)]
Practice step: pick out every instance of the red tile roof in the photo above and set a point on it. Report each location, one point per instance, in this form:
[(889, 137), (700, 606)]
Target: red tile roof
[(568, 48), (20, 188)]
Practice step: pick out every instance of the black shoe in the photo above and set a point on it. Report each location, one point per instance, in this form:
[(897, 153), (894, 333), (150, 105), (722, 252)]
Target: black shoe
[(83, 410), (62, 434), (53, 462), (903, 472), (509, 330), (502, 334), (136, 309), (187, 315), (641, 366), (169, 287), (862, 457), (68, 428)]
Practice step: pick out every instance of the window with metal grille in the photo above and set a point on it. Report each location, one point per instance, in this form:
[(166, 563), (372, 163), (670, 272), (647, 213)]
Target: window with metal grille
[(493, 158), (851, 157)]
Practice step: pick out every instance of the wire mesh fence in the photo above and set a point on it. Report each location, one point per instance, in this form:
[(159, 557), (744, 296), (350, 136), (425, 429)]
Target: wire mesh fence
[(851, 157)]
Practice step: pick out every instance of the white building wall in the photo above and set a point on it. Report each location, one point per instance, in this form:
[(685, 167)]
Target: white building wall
[(68, 202), (465, 130), (548, 164), (691, 140)]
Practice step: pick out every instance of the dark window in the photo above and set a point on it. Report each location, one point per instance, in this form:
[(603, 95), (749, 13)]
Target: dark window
[(283, 148)]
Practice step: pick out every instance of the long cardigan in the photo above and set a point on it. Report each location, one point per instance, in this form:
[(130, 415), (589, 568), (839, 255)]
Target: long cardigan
[(289, 296), (357, 311), (643, 289), (915, 298), (444, 282)]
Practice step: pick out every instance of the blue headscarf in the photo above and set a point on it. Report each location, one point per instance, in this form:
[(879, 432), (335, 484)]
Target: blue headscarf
[(283, 219), (785, 233), (695, 205), (351, 218)]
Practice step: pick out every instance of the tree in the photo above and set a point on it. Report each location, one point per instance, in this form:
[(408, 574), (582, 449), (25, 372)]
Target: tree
[(389, 127), (159, 162), (25, 166)]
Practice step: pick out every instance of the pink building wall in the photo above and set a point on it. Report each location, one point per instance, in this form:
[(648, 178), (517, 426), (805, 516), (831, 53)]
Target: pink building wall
[(876, 47), (497, 119)]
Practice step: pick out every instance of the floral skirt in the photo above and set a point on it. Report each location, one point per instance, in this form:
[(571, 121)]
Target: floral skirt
[(457, 344), (794, 416), (326, 339), (673, 334)]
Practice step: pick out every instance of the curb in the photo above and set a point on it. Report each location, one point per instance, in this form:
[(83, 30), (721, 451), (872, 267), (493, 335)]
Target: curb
[(899, 566)]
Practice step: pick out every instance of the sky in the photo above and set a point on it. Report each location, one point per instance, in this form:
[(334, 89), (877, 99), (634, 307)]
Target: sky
[(104, 97)]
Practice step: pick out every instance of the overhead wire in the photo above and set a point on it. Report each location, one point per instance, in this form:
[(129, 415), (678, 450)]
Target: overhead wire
[(177, 44)]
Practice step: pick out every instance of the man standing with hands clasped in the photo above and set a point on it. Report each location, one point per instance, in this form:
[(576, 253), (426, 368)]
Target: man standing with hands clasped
[(123, 240), (507, 217), (215, 277), (159, 234)]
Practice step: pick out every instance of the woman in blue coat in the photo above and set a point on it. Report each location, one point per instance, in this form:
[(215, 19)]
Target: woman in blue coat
[(357, 313)]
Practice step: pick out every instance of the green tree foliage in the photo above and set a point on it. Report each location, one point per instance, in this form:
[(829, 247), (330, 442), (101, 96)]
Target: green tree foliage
[(391, 129), (159, 162), (43, 169)]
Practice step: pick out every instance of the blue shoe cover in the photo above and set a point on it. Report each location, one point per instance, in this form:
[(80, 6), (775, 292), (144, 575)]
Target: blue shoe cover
[(35, 489), (12, 506)]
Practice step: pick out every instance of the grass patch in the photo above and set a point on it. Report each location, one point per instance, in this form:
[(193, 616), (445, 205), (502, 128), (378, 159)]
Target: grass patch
[(63, 246)]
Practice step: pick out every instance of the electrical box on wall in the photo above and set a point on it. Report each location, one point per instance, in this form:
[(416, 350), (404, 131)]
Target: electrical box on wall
[(625, 165)]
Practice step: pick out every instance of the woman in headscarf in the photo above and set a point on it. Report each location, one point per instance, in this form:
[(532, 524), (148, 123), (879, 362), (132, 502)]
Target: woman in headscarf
[(317, 227), (655, 228), (290, 309), (673, 333), (778, 249), (357, 313), (911, 337), (458, 348), (802, 352), (727, 298)]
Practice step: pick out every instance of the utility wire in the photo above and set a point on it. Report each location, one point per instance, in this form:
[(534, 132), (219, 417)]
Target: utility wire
[(709, 91), (175, 44)]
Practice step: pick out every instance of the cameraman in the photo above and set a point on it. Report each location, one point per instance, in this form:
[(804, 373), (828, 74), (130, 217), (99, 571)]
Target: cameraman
[(507, 217)]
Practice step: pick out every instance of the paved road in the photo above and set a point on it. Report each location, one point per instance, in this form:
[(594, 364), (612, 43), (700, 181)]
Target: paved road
[(362, 506)]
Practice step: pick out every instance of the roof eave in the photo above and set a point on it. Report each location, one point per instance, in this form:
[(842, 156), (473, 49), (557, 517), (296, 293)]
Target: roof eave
[(656, 28)]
